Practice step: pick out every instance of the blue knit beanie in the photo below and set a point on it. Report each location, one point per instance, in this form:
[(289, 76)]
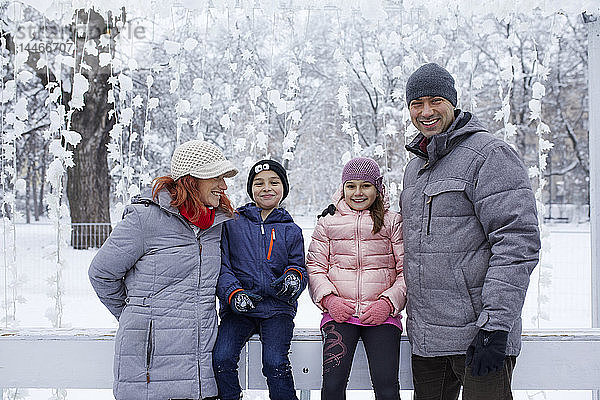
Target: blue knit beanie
[(430, 80)]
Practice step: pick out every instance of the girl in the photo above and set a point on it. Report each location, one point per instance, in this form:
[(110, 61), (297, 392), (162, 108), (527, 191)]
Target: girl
[(354, 264), (157, 275), (262, 275)]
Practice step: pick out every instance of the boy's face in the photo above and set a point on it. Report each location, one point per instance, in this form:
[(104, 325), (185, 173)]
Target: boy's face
[(267, 189)]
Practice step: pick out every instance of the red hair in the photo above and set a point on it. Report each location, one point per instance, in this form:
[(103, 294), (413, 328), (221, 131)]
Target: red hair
[(186, 191)]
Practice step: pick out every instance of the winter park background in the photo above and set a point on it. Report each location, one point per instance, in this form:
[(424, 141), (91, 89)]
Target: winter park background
[(94, 101)]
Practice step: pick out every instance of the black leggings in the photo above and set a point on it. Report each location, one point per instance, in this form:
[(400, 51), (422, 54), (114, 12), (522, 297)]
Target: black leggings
[(382, 345)]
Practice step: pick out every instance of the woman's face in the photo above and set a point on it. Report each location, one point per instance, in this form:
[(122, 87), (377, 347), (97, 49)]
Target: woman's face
[(211, 190), (359, 195)]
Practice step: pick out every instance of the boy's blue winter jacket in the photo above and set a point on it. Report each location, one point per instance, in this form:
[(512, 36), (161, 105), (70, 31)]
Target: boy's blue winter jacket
[(255, 253)]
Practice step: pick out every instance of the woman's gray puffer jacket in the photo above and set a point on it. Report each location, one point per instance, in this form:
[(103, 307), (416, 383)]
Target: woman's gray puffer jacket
[(159, 281)]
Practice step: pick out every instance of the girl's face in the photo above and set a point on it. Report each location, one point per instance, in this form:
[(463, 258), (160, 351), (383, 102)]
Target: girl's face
[(267, 190), (359, 195), (211, 190)]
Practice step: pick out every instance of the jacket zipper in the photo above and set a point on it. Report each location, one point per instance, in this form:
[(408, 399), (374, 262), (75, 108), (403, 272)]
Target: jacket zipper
[(149, 353), (264, 250), (271, 244), (198, 241), (430, 202), (359, 272), (198, 325)]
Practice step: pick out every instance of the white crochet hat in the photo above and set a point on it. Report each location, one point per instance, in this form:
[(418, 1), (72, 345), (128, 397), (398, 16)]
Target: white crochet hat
[(200, 159)]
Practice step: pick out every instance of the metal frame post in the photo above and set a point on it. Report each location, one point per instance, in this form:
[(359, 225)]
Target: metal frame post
[(593, 23)]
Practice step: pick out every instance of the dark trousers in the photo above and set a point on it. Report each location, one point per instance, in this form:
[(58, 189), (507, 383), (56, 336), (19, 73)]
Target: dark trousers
[(382, 345), (440, 378), (276, 337)]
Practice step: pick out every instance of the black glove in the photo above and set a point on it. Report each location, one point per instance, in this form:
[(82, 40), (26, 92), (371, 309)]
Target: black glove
[(487, 352), (329, 210), (288, 285), (243, 301)]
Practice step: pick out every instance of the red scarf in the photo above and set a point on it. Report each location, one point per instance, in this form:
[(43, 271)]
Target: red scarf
[(206, 218)]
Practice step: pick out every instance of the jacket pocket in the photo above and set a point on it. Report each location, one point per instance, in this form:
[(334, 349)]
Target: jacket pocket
[(465, 295), (440, 192), (149, 349)]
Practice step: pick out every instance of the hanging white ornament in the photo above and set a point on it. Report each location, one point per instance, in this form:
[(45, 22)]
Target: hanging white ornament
[(190, 44), (240, 144), (183, 107), (538, 90), (206, 101), (254, 93), (347, 156), (21, 109), (197, 85), (80, 87), (71, 137), (125, 82), (152, 103), (104, 59), (171, 47), (261, 140), (20, 186), (24, 76), (225, 121), (126, 116), (137, 101)]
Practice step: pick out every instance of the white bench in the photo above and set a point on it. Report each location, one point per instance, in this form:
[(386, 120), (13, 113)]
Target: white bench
[(73, 359)]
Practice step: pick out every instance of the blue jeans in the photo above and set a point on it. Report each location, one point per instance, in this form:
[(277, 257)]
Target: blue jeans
[(276, 337)]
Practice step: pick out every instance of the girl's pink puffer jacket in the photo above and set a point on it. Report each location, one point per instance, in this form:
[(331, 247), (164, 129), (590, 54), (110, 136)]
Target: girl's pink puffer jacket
[(347, 259)]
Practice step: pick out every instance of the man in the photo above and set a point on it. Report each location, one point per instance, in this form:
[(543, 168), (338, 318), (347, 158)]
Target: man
[(471, 242)]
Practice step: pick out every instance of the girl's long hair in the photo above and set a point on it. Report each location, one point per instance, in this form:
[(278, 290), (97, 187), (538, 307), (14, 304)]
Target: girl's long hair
[(186, 191), (377, 211)]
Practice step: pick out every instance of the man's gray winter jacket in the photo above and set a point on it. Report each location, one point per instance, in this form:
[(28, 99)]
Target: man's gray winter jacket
[(159, 281), (471, 239)]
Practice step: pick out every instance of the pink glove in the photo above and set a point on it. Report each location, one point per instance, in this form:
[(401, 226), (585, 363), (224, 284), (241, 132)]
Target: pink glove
[(376, 313), (339, 309)]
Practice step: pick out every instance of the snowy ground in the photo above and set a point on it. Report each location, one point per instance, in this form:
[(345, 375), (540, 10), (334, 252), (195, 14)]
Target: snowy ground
[(562, 296)]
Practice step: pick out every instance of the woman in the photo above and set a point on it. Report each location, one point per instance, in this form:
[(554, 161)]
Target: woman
[(157, 274), (355, 275)]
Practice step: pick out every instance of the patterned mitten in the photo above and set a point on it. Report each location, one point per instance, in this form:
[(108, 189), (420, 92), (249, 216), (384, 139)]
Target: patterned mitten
[(243, 301)]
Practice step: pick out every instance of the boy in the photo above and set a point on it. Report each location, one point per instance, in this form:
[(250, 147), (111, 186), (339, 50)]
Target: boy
[(262, 275)]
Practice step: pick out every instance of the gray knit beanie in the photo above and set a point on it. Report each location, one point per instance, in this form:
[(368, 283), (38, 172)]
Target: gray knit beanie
[(430, 80)]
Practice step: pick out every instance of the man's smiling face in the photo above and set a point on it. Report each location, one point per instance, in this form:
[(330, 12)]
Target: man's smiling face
[(431, 115)]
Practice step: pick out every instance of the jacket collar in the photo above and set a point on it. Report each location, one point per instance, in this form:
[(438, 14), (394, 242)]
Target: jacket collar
[(164, 202), (464, 125), (252, 212)]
